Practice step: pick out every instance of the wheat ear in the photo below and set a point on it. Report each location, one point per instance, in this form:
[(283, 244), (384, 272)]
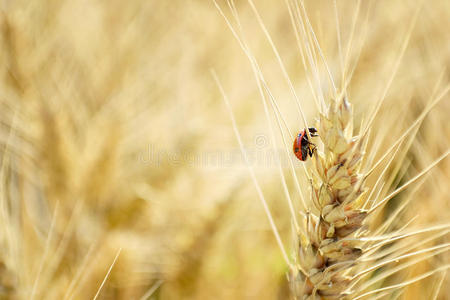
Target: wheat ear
[(325, 251)]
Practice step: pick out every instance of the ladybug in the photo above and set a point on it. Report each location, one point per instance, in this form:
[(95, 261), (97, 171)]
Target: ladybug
[(302, 146)]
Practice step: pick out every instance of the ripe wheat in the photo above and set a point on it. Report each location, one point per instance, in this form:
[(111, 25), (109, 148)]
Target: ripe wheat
[(325, 253)]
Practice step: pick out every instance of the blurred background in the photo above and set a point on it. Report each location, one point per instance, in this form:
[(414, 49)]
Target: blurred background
[(118, 157)]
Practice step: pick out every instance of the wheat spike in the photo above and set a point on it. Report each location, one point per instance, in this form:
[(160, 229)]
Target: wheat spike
[(326, 252)]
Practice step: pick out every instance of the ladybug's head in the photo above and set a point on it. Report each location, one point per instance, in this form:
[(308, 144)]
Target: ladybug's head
[(312, 131)]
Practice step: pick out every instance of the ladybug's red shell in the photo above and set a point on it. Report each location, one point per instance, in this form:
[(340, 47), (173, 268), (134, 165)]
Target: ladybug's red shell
[(302, 146), (298, 146)]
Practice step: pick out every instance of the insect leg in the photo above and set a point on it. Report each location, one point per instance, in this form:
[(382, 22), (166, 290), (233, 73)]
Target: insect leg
[(312, 149)]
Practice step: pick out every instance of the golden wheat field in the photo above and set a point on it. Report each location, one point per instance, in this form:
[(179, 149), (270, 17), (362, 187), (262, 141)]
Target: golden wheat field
[(146, 149)]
